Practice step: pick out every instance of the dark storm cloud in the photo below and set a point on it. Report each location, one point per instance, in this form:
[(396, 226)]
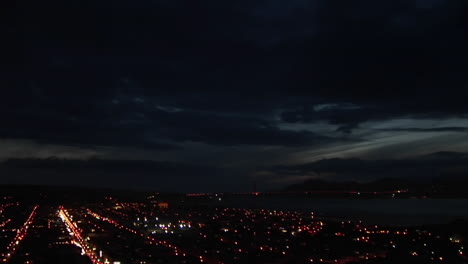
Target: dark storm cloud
[(305, 52), (84, 122), (442, 164), (141, 121), (435, 129), (162, 75), (349, 118), (230, 130), (370, 47)]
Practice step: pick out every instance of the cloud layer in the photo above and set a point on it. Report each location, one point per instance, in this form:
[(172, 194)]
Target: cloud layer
[(231, 81)]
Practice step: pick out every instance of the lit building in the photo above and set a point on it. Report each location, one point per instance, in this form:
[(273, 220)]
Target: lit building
[(163, 205)]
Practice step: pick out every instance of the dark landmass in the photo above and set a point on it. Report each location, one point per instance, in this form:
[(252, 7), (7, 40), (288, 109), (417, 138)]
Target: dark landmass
[(450, 187)]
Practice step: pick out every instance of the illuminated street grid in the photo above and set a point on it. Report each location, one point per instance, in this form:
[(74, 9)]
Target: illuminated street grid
[(230, 235), (148, 233)]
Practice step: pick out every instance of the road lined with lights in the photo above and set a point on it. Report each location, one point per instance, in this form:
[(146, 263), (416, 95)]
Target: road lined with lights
[(20, 235), (78, 239), (4, 223)]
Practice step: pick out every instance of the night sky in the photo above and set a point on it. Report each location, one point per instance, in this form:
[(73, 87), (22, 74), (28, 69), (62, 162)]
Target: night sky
[(214, 95)]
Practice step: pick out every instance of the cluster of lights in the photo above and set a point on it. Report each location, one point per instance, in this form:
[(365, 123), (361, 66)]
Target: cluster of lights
[(153, 241), (269, 234), (244, 222)]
